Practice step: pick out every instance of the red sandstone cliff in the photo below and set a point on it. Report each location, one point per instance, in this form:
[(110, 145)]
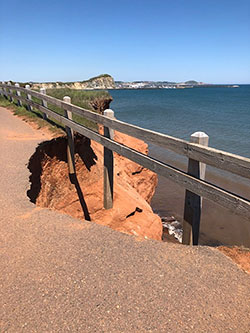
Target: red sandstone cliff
[(134, 186)]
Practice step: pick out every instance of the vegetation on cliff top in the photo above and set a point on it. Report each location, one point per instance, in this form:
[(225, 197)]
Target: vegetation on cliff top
[(91, 100), (85, 81), (192, 82), (81, 98), (22, 84), (97, 77)]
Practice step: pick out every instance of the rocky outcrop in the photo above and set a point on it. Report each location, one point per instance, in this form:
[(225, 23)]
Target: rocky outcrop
[(82, 197), (103, 81)]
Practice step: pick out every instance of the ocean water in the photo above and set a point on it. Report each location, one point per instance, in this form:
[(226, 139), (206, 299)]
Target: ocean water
[(222, 113)]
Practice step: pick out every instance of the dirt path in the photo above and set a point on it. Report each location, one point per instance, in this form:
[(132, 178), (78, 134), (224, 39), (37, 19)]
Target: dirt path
[(59, 274)]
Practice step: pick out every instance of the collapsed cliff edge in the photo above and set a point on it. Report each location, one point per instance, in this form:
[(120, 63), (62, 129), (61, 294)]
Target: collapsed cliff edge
[(81, 196)]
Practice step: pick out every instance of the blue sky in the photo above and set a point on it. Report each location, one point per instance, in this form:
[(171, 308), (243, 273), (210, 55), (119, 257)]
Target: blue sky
[(176, 40)]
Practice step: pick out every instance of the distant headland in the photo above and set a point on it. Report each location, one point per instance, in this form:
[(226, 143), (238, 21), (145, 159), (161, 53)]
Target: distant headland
[(167, 85), (106, 81), (103, 81)]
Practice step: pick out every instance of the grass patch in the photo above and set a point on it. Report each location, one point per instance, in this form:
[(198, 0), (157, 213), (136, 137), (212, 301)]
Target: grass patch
[(5, 102), (80, 98)]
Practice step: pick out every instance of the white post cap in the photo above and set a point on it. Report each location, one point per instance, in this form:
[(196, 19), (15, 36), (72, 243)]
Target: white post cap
[(109, 113), (199, 135), (200, 138), (67, 99), (43, 91)]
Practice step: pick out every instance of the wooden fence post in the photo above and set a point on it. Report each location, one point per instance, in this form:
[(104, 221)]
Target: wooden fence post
[(29, 98), (193, 202), (1, 90), (18, 93), (44, 103), (108, 180), (70, 137), (10, 90), (4, 90)]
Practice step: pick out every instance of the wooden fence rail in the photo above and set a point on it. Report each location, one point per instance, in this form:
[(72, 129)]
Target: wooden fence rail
[(218, 158), (198, 154)]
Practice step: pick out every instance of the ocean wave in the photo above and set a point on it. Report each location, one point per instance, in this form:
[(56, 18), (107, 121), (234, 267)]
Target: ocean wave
[(174, 228)]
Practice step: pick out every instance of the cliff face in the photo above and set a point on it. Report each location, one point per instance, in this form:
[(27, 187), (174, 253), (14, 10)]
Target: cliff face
[(100, 82), (82, 198)]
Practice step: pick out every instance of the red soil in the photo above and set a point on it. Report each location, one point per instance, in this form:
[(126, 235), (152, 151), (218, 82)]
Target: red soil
[(240, 256), (82, 198)]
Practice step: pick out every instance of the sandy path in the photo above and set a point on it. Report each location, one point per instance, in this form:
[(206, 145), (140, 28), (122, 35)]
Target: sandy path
[(59, 274)]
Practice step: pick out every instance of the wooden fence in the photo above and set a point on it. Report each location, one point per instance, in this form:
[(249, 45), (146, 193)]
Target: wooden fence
[(197, 152)]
